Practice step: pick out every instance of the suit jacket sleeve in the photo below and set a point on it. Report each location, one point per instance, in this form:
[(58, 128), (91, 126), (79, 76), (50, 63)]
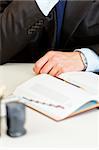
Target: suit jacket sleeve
[(91, 29), (19, 22)]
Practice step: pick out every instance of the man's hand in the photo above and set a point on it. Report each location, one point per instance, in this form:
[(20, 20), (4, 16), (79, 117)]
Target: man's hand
[(55, 63)]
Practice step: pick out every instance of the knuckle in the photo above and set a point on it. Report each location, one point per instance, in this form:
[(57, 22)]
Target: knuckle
[(50, 52), (55, 59), (59, 66)]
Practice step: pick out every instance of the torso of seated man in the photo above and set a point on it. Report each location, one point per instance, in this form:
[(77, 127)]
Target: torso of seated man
[(85, 32)]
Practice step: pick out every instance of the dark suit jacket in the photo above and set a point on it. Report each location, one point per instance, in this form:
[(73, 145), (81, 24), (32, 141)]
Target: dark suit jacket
[(26, 34)]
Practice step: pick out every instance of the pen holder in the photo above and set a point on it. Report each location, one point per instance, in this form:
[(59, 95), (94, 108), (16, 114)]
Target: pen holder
[(15, 119)]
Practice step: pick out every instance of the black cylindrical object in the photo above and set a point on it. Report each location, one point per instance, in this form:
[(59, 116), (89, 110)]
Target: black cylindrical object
[(15, 119)]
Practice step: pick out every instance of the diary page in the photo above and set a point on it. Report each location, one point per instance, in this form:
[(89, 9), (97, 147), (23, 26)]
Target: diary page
[(88, 81), (52, 96)]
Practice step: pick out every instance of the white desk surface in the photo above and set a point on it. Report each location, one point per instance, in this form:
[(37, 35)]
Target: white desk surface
[(81, 131)]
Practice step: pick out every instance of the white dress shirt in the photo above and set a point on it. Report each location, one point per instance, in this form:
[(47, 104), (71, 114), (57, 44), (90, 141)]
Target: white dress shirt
[(46, 5), (91, 57)]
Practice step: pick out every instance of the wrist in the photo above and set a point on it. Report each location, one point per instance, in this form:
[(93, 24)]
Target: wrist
[(84, 60)]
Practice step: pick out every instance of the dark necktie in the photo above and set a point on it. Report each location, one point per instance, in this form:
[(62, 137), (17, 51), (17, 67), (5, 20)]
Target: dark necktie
[(60, 13)]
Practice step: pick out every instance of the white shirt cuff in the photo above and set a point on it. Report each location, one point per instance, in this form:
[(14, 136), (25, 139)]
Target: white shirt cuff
[(92, 59), (46, 5)]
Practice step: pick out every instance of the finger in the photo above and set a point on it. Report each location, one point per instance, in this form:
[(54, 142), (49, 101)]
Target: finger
[(41, 62), (58, 73), (60, 70), (47, 67), (54, 70)]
